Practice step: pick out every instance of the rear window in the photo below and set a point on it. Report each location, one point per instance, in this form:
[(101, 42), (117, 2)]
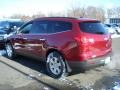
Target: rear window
[(60, 26), (93, 27), (4, 24)]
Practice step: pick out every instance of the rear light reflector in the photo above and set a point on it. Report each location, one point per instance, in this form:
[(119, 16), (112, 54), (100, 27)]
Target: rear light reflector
[(91, 40), (84, 40)]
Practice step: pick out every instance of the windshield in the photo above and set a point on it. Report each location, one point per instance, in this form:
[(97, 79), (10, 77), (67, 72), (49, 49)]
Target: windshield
[(7, 24), (3, 32), (17, 24), (4, 24), (93, 27)]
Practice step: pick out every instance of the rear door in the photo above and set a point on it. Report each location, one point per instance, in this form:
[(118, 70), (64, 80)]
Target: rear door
[(97, 37)]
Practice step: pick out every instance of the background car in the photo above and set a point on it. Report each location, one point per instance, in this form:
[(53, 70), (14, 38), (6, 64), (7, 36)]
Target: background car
[(10, 25), (7, 28), (3, 36), (110, 29), (116, 27)]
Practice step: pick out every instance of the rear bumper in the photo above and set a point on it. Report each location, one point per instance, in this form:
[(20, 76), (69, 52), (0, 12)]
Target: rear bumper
[(87, 64)]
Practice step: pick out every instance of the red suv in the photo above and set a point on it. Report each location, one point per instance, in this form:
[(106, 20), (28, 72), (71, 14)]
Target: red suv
[(63, 43)]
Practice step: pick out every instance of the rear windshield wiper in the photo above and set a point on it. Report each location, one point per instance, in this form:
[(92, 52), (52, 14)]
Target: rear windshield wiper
[(99, 32)]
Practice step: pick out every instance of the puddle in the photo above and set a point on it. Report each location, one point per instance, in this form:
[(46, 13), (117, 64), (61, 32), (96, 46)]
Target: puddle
[(116, 86), (30, 77), (70, 83), (108, 83), (46, 88)]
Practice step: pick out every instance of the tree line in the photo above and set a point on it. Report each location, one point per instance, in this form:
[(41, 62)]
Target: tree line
[(89, 12)]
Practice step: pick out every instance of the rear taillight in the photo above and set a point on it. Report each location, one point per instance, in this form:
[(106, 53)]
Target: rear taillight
[(82, 44), (82, 40), (91, 40), (85, 40)]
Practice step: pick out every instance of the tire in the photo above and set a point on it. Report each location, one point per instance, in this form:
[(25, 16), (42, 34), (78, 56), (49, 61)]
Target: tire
[(9, 51), (56, 65)]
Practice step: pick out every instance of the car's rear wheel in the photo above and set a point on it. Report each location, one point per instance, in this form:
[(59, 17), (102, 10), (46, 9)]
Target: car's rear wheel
[(56, 65), (9, 51)]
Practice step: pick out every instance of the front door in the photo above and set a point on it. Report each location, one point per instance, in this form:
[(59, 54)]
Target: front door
[(21, 39)]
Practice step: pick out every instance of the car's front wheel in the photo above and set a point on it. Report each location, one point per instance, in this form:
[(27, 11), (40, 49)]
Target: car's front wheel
[(55, 65), (9, 51)]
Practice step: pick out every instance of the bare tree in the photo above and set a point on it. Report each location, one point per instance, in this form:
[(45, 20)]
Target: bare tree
[(96, 13), (58, 14), (110, 12), (27, 18), (89, 12), (38, 15), (22, 17), (100, 14), (113, 12), (76, 12), (117, 12)]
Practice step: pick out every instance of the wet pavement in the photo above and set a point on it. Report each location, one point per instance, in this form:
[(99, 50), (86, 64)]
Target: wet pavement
[(28, 74)]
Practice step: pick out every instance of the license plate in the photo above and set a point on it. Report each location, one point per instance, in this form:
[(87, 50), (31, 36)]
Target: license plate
[(107, 60)]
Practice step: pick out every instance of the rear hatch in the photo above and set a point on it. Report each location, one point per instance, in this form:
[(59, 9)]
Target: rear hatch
[(95, 39)]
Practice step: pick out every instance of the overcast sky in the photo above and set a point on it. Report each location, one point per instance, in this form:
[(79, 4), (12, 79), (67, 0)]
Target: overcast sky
[(30, 7)]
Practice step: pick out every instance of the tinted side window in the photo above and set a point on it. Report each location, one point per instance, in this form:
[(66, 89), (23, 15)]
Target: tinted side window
[(39, 27), (60, 26), (93, 27), (26, 28)]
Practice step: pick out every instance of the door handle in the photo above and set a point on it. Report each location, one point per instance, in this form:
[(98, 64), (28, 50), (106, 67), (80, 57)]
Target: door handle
[(25, 38), (42, 39)]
